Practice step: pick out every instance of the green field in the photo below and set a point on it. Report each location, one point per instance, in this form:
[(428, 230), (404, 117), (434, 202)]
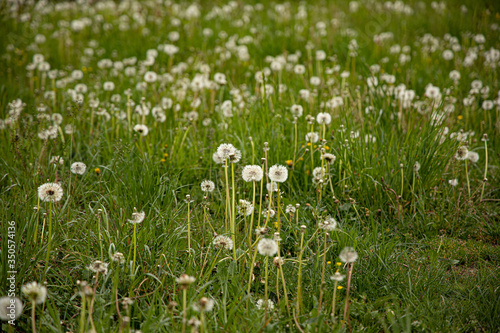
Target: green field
[(301, 166)]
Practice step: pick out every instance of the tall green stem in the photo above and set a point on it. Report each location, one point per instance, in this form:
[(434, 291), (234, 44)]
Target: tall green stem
[(233, 214), (485, 166)]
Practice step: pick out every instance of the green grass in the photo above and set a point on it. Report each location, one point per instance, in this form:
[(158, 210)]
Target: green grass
[(428, 259)]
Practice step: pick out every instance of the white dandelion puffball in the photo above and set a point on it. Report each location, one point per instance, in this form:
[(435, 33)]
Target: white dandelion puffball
[(141, 129), (329, 224), (267, 247), (473, 156), (348, 255), (252, 173), (50, 192), (35, 292), (225, 150), (78, 168), (10, 308), (137, 217), (223, 242), (207, 186), (278, 173), (323, 118)]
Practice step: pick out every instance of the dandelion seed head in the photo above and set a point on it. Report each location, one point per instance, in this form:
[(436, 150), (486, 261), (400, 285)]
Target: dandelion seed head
[(10, 308), (348, 255), (185, 280), (278, 173), (207, 186), (118, 257), (99, 267), (329, 224), (78, 168), (267, 247), (252, 173), (205, 304), (35, 292), (137, 217), (261, 304), (337, 277), (473, 156), (461, 153), (50, 192), (329, 158), (223, 242)]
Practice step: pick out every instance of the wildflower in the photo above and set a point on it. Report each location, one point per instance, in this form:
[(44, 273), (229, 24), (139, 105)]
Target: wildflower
[(261, 304), (329, 224), (10, 308), (141, 129), (78, 168), (329, 158), (290, 209), (473, 156), (323, 118), (461, 153), (57, 159), (275, 187), (97, 171), (194, 322), (223, 242), (267, 247), (137, 217), (35, 292), (278, 261), (150, 77), (252, 173), (296, 110), (50, 192), (271, 212), (185, 280), (337, 277), (312, 137), (225, 150), (204, 305), (118, 257), (348, 255), (217, 158), (207, 186), (278, 173), (261, 231), (99, 267), (416, 167), (453, 182), (245, 207)]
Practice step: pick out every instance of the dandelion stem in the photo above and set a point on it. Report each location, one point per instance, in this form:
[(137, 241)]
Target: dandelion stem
[(47, 258), (82, 315), (233, 214), (135, 248), (251, 273), (189, 227), (266, 280), (299, 280), (467, 176), (485, 167), (295, 139), (346, 308), (184, 312), (322, 276), (33, 319), (334, 298), (228, 202), (251, 218)]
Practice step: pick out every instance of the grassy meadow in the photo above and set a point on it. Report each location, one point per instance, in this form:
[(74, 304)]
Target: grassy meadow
[(243, 166)]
